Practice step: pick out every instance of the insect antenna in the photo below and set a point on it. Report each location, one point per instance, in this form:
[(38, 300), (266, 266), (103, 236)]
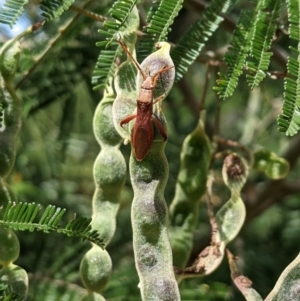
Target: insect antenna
[(123, 45)]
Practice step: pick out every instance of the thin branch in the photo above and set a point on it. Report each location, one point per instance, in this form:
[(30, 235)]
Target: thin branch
[(51, 45), (189, 97), (87, 13)]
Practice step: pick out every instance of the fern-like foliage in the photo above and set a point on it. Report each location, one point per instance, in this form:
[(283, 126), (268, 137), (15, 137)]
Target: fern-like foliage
[(190, 45), (6, 293), (265, 24), (22, 217), (251, 42), (52, 9), (105, 68), (236, 56), (105, 65), (11, 11), (289, 120), (159, 20), (12, 297)]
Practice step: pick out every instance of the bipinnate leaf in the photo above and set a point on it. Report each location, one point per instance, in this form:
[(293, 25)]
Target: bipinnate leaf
[(124, 23)]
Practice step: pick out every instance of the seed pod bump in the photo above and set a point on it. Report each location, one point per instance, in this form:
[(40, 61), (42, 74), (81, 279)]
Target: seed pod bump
[(235, 172), (9, 247), (154, 62), (148, 258), (95, 269), (16, 278), (9, 59)]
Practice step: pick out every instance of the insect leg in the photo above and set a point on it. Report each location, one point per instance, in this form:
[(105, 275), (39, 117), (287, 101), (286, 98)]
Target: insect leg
[(127, 119), (160, 127), (161, 70)]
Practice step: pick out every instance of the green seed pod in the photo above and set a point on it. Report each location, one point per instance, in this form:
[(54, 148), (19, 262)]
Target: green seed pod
[(9, 60), (10, 124), (16, 278), (244, 284), (9, 130), (109, 170), (9, 247), (152, 64), (127, 91), (277, 169), (109, 176), (95, 269), (93, 297), (261, 159), (11, 109), (235, 172), (287, 285), (227, 223), (153, 255), (103, 123), (230, 218), (109, 173), (190, 186), (269, 163)]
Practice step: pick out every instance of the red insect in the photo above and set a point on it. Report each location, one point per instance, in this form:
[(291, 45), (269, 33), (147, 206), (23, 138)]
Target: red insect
[(143, 133)]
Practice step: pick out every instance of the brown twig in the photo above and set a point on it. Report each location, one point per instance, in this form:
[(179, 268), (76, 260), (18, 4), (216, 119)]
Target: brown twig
[(51, 45), (87, 13)]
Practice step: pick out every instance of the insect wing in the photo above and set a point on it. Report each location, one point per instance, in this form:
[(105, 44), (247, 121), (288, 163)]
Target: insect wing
[(142, 140)]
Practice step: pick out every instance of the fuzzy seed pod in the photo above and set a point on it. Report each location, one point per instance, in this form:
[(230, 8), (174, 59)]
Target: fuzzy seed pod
[(190, 186)]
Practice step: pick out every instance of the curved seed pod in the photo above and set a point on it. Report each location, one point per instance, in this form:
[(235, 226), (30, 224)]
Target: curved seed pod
[(152, 249), (109, 176), (244, 284), (287, 285), (153, 255), (10, 124), (11, 109), (109, 170), (269, 163), (227, 223), (190, 186), (9, 59), (235, 172)]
